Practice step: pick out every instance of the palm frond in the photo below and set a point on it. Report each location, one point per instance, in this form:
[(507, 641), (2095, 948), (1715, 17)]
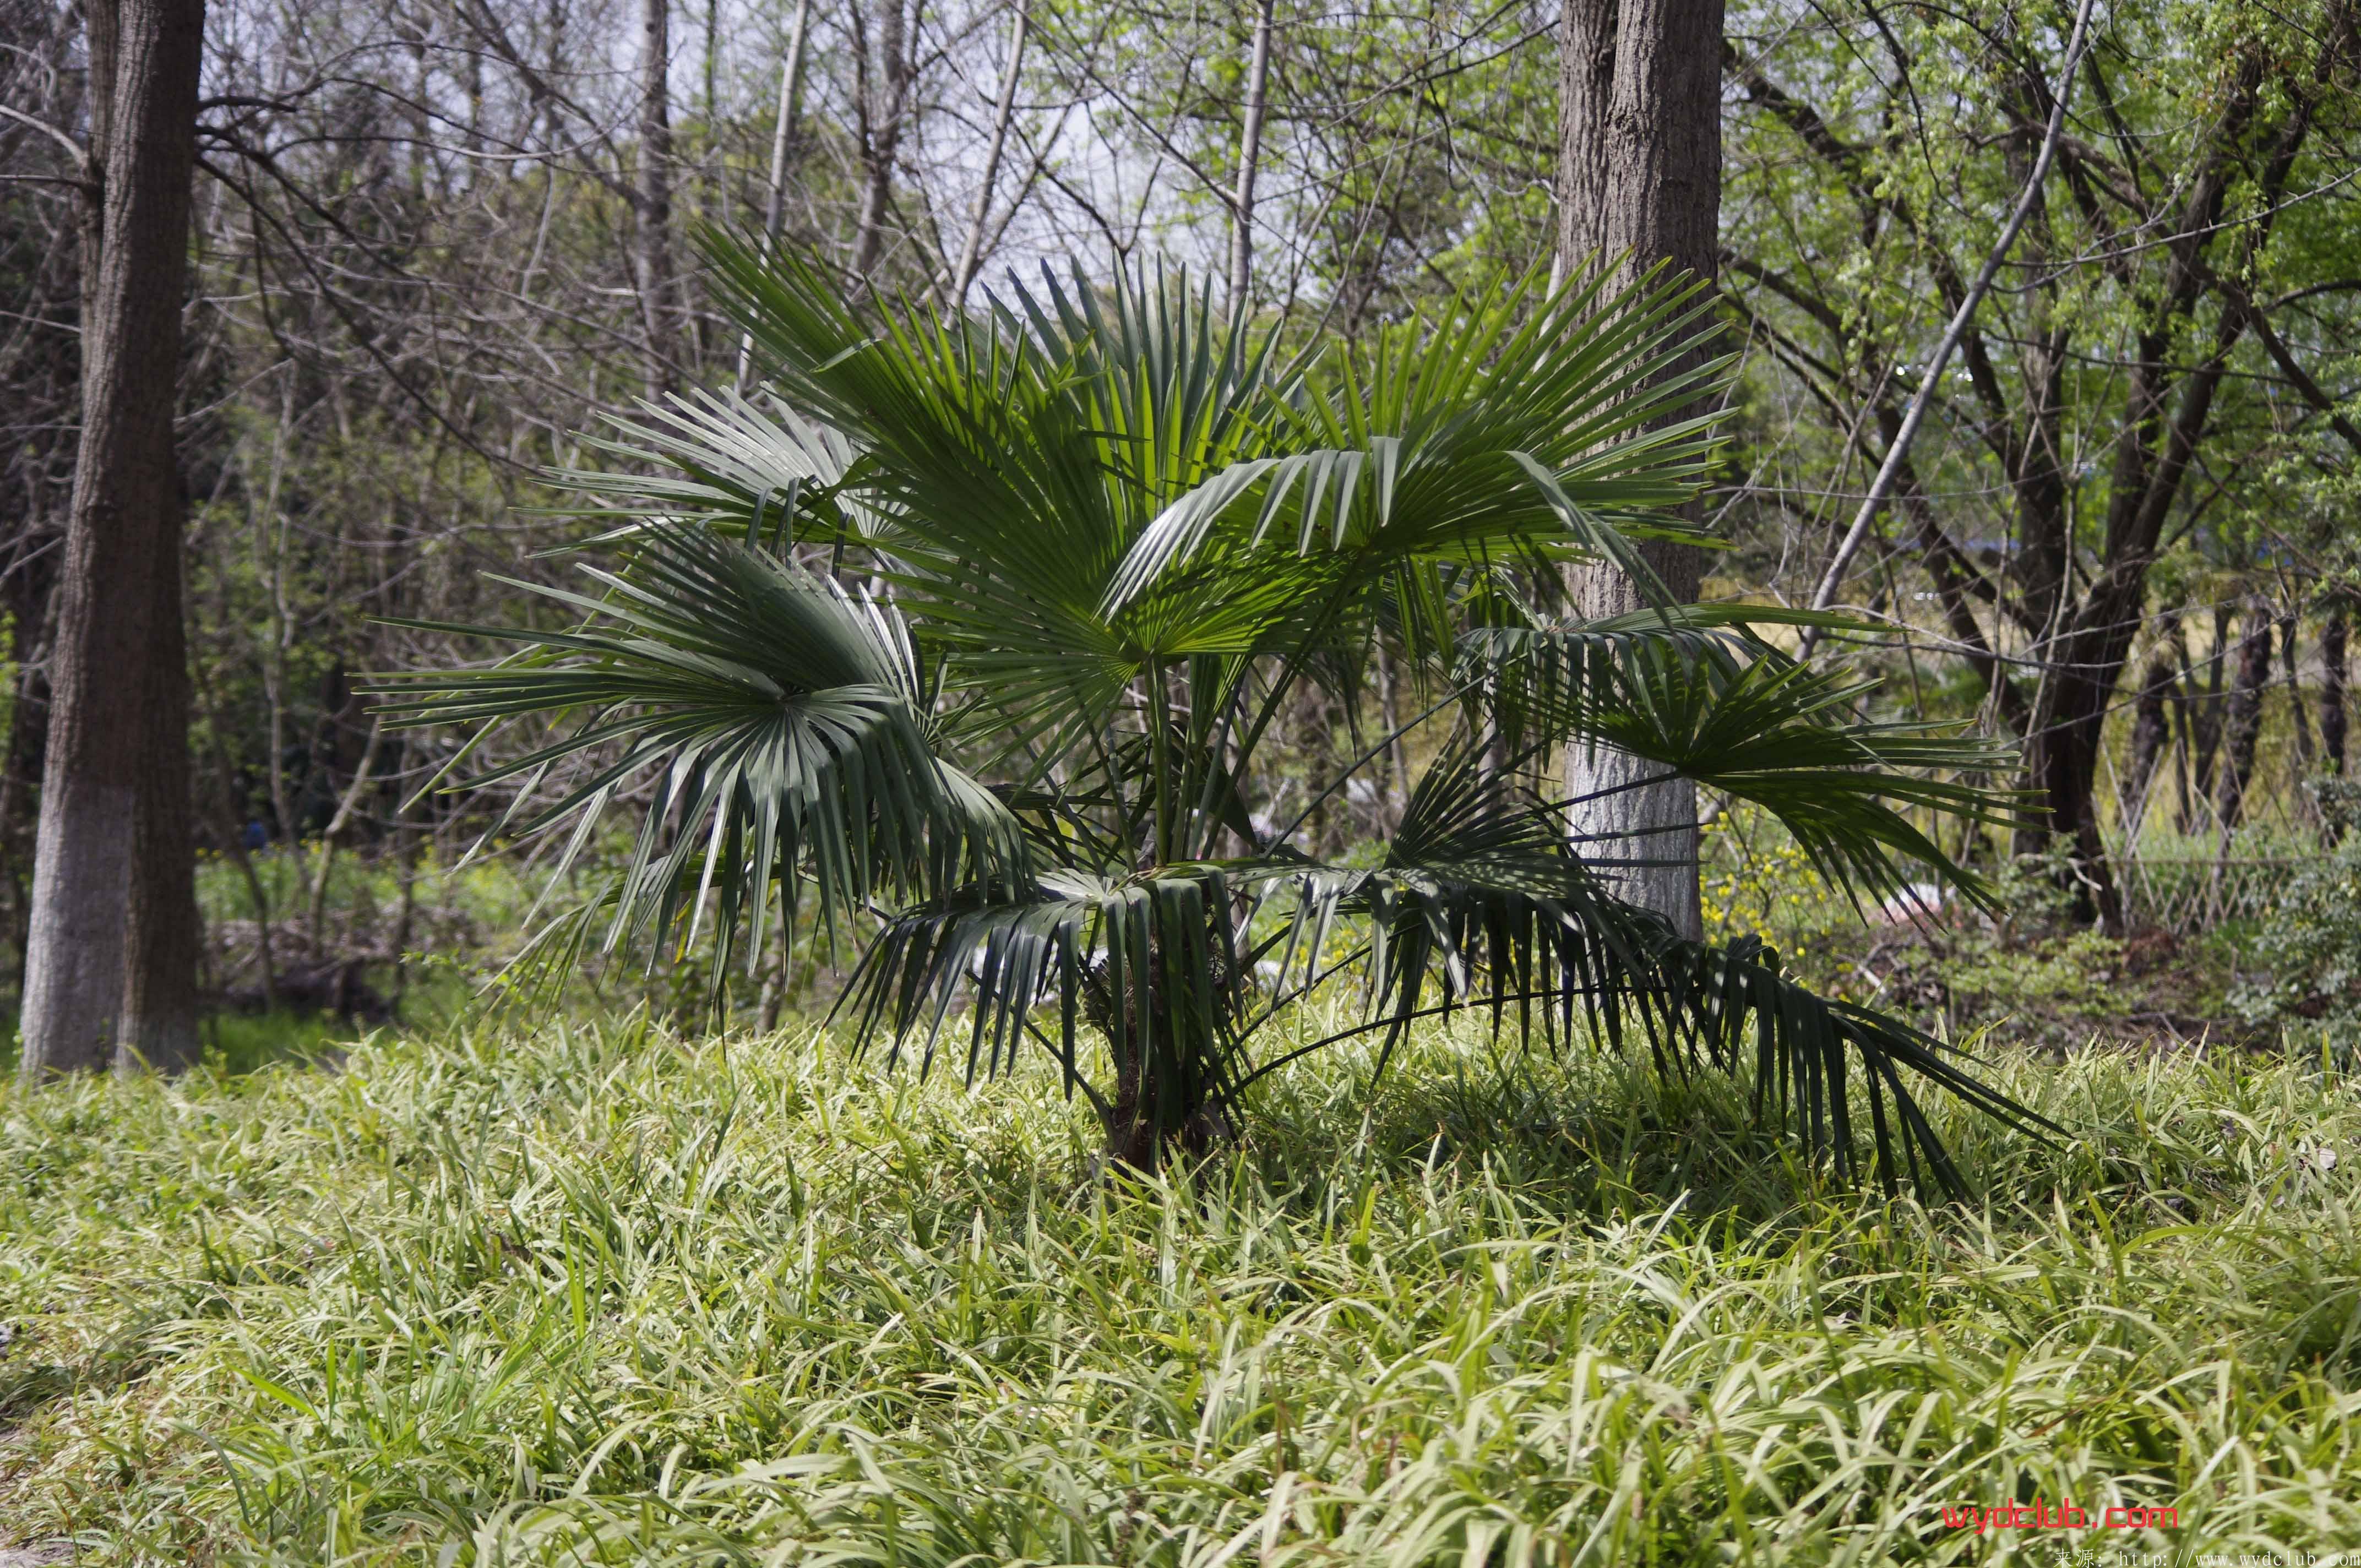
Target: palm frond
[(1736, 716), (1471, 437), (775, 715), (1481, 903)]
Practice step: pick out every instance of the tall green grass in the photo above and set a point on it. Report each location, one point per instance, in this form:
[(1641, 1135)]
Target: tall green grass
[(607, 1295)]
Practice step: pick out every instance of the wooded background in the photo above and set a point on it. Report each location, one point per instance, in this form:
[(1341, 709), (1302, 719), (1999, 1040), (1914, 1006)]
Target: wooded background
[(431, 244)]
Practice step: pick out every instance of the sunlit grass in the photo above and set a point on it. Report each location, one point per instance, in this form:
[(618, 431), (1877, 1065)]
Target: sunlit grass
[(607, 1295)]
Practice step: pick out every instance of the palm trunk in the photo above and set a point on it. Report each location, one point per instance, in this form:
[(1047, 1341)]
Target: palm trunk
[(111, 965), (1162, 1104), (1640, 181)]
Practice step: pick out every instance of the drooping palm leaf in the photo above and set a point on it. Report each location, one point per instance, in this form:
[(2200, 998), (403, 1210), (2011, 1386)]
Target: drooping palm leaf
[(775, 713), (1481, 901), (1739, 717)]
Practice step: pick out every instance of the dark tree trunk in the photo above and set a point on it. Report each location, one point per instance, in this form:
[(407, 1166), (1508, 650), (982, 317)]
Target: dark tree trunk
[(2151, 733), (30, 611), (2064, 767), (111, 960), (2332, 692), (1639, 183), (2287, 662), (162, 934), (1162, 1102), (658, 305), (2245, 723)]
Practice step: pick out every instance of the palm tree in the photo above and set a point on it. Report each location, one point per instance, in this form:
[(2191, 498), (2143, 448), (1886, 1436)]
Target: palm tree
[(976, 630)]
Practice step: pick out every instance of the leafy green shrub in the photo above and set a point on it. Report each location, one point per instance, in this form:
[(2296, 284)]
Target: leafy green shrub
[(2309, 944)]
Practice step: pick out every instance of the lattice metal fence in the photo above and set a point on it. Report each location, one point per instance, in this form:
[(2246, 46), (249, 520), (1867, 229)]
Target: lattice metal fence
[(2186, 894)]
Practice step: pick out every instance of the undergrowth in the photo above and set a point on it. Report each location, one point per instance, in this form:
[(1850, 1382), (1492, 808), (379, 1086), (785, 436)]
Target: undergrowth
[(604, 1295)]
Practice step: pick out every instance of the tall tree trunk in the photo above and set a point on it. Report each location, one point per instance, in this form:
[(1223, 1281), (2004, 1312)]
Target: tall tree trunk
[(783, 132), (1242, 200), (2151, 733), (112, 961), (882, 99), (162, 932), (658, 307), (2332, 691), (2245, 724), (1639, 183), (2204, 725), (26, 593), (2288, 661)]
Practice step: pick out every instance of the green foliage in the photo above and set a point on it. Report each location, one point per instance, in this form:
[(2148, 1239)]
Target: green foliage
[(1756, 879), (604, 1296), (2309, 943)]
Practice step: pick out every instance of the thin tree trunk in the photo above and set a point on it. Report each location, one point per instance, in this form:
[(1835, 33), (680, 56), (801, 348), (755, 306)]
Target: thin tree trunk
[(317, 916), (711, 107), (1639, 183), (2245, 724), (653, 191), (2288, 660), (1242, 200), (233, 833), (1394, 772), (971, 250), (882, 117), (2181, 709), (2151, 733), (774, 981), (406, 843), (285, 809), (1898, 450), (775, 207), (2205, 718), (2333, 720), (33, 608), (112, 964)]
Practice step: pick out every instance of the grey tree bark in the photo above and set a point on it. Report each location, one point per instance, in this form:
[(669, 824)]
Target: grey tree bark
[(652, 208), (971, 249), (111, 967), (783, 134), (882, 104), (1638, 183), (1242, 200), (2333, 719)]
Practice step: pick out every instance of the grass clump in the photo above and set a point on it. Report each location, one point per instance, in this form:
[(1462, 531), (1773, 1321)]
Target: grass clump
[(602, 1295)]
